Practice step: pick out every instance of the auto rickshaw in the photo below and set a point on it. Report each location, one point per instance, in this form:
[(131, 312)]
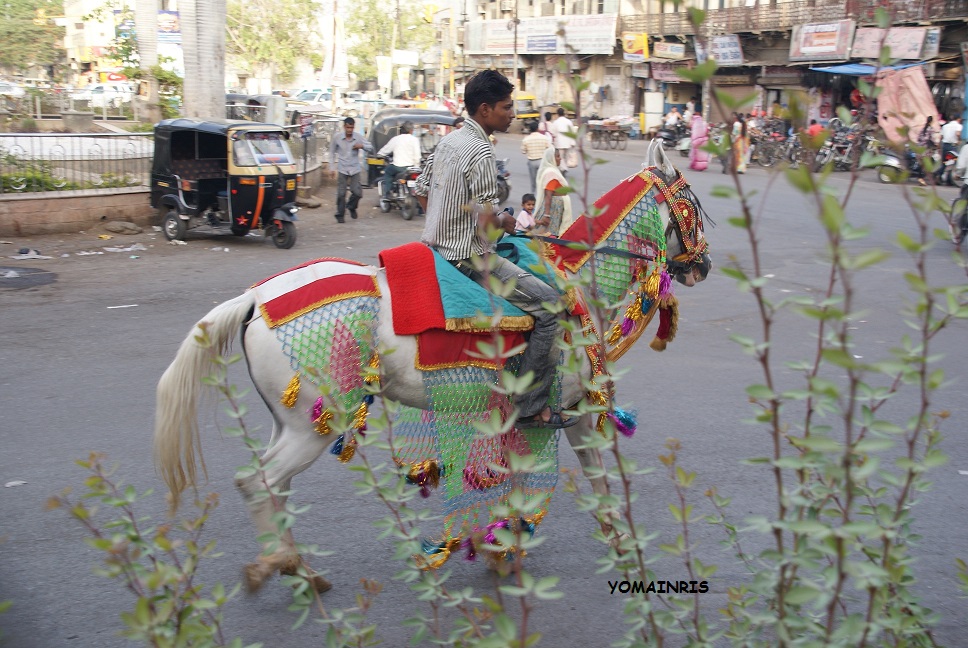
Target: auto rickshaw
[(224, 176), (428, 127), (526, 109)]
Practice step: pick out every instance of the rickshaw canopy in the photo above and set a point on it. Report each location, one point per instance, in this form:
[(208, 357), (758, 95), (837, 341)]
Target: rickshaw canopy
[(386, 123)]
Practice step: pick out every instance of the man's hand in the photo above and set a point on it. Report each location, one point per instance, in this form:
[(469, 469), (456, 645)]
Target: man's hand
[(357, 146), (332, 173)]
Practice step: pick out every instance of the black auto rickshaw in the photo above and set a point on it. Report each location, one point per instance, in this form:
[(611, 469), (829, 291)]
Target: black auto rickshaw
[(223, 175), (428, 126)]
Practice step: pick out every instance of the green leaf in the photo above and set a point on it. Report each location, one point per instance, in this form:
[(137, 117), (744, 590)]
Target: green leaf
[(760, 392)]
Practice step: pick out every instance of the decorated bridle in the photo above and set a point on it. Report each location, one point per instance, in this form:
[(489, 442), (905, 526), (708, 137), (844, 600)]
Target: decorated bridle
[(687, 215)]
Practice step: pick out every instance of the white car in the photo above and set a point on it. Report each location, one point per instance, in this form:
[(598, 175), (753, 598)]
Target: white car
[(104, 94), (11, 90)]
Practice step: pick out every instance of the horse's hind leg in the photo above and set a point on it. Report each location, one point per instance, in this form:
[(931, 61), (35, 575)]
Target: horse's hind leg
[(291, 452)]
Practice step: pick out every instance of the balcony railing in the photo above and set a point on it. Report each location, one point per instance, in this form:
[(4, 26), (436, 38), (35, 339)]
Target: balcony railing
[(784, 15)]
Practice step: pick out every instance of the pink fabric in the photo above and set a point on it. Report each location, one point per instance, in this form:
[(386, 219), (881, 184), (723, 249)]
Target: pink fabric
[(698, 159), (904, 101)]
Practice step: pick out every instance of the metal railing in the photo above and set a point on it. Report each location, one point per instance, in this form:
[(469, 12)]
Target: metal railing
[(86, 162), (102, 162), (51, 104)]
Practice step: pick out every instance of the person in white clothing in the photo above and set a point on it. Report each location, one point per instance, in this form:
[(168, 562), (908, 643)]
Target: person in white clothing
[(950, 139), (405, 151), (672, 118), (561, 127)]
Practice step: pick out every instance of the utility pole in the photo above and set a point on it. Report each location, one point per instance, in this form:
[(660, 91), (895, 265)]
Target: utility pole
[(514, 22)]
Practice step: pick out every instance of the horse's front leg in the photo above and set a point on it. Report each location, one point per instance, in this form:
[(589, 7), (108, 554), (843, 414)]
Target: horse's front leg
[(292, 452), (594, 470)]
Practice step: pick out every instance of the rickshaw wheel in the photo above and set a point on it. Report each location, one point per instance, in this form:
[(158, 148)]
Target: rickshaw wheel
[(284, 236), (173, 226)]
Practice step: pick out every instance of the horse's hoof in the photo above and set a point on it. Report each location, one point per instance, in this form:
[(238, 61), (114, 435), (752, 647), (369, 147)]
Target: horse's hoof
[(254, 575), (321, 584)]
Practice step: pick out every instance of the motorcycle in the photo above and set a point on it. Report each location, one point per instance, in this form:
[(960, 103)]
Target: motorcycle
[(895, 166), (402, 194), (675, 137), (503, 181)]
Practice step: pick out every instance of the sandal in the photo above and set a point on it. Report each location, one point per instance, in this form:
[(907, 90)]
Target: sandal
[(556, 422)]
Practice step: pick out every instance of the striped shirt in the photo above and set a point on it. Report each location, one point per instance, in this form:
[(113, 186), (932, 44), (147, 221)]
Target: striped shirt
[(534, 145), (459, 178)]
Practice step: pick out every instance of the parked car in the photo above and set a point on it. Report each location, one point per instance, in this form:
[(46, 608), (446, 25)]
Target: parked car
[(11, 90), (104, 94)]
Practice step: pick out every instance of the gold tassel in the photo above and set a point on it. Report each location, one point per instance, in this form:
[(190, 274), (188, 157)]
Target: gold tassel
[(437, 559), (634, 310), (359, 419), (374, 376), (652, 284), (599, 398), (349, 449), (614, 334), (292, 392), (428, 468), (322, 423)]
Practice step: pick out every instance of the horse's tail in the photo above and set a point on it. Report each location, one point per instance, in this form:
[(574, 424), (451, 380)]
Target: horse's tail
[(176, 438)]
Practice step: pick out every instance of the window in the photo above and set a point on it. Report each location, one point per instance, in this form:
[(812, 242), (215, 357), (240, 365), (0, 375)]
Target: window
[(613, 70)]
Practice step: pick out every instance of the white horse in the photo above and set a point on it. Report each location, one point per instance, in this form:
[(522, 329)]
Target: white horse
[(294, 443)]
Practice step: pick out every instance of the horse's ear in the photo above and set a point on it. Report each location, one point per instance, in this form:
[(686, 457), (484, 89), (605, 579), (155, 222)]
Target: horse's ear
[(663, 162), (650, 153)]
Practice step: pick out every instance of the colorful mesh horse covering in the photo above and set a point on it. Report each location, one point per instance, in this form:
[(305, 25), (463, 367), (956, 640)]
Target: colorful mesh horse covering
[(325, 314), (443, 447)]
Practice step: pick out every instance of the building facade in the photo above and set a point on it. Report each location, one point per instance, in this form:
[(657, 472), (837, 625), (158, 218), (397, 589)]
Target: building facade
[(764, 48)]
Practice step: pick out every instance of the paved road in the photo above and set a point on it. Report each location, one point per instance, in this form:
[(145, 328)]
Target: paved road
[(80, 356)]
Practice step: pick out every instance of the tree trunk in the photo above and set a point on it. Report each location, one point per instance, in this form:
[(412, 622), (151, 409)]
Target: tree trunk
[(146, 33), (203, 44)]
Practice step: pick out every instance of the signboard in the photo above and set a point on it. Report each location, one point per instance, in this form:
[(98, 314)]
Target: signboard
[(669, 50), (821, 41), (169, 28), (640, 70), (666, 72), (409, 58), (581, 34), (725, 50), (635, 47), (932, 43), (904, 42), (305, 125)]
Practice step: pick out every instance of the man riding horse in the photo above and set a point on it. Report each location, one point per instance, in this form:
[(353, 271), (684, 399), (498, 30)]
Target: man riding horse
[(458, 192)]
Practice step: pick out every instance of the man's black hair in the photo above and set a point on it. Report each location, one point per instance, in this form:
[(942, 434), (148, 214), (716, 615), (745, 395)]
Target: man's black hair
[(486, 87), (350, 121), (532, 127), (561, 112), (406, 127), (548, 116)]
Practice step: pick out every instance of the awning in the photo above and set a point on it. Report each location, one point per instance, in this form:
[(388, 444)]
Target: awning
[(860, 69)]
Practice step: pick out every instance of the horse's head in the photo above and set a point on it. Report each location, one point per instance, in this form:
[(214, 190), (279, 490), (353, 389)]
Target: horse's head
[(687, 252)]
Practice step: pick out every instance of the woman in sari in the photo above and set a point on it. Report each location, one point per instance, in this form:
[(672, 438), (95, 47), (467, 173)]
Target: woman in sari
[(552, 213), (741, 144), (698, 158)]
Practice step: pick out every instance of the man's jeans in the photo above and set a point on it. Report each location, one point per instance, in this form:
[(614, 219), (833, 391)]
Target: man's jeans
[(533, 170), (390, 175), (355, 193), (541, 355)]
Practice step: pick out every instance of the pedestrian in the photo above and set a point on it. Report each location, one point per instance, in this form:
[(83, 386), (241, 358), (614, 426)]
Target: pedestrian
[(545, 128), (927, 134), (458, 191), (552, 211), (950, 138), (524, 222), (564, 133), (814, 129), (741, 143), (533, 146), (699, 135), (405, 152), (344, 164), (690, 110), (672, 118)]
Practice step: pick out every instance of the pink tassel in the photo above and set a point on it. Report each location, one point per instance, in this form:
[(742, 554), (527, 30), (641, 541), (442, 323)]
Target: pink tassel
[(317, 408), (665, 284), (627, 326), (621, 427)]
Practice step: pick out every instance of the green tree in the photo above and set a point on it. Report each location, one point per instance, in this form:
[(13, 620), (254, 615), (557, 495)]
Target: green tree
[(369, 36), (29, 36), (270, 38)]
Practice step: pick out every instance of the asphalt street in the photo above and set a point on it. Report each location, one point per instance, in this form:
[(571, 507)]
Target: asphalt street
[(83, 348)]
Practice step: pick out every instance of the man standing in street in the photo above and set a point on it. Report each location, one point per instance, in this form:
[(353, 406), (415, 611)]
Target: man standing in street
[(344, 164), (533, 146), (950, 138), (563, 130), (458, 191), (405, 152)]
